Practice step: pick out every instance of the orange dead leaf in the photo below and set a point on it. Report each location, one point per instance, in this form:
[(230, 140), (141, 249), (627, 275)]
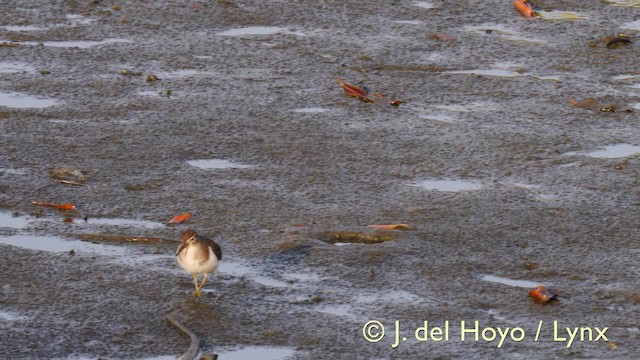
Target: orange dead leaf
[(541, 295), (572, 102), (352, 90), (57, 206), (179, 219), (355, 91), (524, 8), (390, 227)]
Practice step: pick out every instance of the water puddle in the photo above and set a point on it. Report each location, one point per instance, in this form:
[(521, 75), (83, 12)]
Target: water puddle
[(624, 77), (343, 243), (9, 171), (11, 316), (546, 197), (125, 222), (521, 185), (12, 67), (439, 117), (303, 277), (425, 112), (248, 352), (16, 28), (7, 220), (409, 22), (180, 73), (24, 101), (423, 4), (635, 25), (57, 244), (337, 310), (83, 44), (610, 152), (629, 3), (469, 107), (152, 93), (511, 282), (217, 164), (448, 185), (238, 270), (72, 20), (394, 297), (157, 262), (310, 110), (487, 72), (502, 31), (615, 151), (502, 70), (259, 30), (78, 19), (257, 352), (562, 15)]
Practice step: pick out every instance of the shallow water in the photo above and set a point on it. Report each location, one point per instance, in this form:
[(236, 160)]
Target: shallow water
[(77, 43), (22, 28), (8, 171), (181, 73), (610, 152), (14, 67), (615, 151), (124, 222), (237, 269), (257, 352), (23, 101), (562, 15), (310, 110), (511, 282), (487, 72), (217, 164), (635, 25), (7, 220), (448, 185), (11, 316), (263, 93), (502, 31), (245, 353), (259, 30), (58, 244), (337, 310), (623, 2), (423, 4)]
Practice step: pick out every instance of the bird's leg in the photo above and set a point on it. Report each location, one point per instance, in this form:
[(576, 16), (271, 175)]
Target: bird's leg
[(204, 280), (195, 282)]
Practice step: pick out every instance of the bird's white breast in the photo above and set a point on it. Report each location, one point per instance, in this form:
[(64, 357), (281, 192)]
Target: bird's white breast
[(192, 263)]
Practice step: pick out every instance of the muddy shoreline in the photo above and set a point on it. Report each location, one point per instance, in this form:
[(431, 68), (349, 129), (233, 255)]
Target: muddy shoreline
[(500, 179)]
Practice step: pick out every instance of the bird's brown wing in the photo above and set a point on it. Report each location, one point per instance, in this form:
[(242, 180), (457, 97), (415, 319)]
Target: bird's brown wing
[(216, 249)]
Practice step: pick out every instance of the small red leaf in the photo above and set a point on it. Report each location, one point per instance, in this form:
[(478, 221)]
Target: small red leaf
[(179, 219)]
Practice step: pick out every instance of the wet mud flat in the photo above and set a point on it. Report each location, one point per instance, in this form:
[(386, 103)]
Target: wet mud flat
[(503, 182)]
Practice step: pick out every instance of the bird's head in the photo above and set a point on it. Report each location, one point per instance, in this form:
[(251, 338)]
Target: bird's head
[(188, 236)]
